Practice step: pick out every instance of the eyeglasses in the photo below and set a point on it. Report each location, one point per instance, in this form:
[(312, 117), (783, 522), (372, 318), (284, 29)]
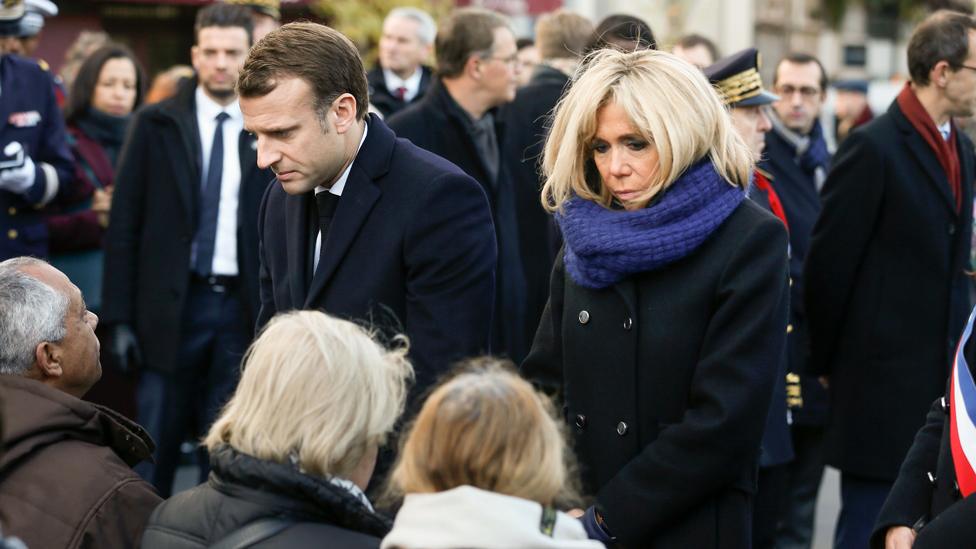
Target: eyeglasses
[(967, 67), (808, 92), (511, 60)]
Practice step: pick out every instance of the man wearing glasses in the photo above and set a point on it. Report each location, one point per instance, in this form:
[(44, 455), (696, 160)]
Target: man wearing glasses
[(477, 68), (797, 157), (886, 286)]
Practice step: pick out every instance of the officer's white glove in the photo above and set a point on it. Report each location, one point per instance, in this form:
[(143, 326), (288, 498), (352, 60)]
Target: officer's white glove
[(17, 174)]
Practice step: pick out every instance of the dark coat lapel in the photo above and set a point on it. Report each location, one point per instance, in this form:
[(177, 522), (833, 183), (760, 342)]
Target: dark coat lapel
[(627, 290), (187, 153), (296, 244), (358, 198), (925, 156)]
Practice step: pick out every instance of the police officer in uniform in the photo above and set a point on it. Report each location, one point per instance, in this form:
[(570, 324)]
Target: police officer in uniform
[(35, 161), (738, 82)]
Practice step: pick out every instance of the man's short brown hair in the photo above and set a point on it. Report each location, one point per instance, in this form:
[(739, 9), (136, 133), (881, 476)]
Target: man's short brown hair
[(942, 36), (465, 32), (319, 55), (562, 34), (224, 15)]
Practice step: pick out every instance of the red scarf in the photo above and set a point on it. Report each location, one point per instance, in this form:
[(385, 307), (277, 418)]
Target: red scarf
[(775, 205), (945, 151)]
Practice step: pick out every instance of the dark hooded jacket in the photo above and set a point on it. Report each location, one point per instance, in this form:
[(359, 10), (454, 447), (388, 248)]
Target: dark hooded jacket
[(66, 477), (243, 489)]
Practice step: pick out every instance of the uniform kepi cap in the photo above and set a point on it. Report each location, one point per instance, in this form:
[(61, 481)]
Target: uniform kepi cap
[(267, 7), (11, 12), (737, 79)]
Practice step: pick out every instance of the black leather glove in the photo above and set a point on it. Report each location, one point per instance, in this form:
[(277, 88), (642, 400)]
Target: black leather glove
[(124, 349)]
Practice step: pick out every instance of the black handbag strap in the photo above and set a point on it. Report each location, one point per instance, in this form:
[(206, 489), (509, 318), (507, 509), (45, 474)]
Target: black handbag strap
[(252, 533)]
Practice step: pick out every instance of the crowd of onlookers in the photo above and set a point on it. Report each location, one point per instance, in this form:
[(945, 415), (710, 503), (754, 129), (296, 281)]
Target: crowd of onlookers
[(703, 294)]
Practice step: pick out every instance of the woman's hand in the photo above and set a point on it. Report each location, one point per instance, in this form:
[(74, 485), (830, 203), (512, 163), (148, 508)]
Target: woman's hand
[(899, 537), (102, 205)]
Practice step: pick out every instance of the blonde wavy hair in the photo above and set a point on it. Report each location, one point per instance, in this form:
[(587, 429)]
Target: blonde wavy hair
[(670, 104), (317, 388), (487, 427)]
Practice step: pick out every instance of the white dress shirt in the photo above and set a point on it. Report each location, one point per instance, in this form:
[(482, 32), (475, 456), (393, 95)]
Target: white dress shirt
[(412, 84), (225, 244), (336, 189), (946, 130)]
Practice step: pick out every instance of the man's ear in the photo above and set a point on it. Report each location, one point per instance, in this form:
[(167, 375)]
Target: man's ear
[(939, 73), (48, 360), (344, 109), (472, 67)]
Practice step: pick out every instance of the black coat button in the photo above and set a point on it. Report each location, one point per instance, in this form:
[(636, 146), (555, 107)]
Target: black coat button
[(931, 478), (945, 404), (584, 317), (628, 324), (952, 228), (580, 422), (621, 428)]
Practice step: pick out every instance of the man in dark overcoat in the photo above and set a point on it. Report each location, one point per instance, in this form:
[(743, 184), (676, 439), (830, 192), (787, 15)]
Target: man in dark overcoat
[(797, 157), (886, 286), (181, 256), (561, 37), (358, 223), (477, 68)]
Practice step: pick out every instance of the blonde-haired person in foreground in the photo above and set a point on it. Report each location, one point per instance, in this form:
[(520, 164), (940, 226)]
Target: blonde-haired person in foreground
[(483, 466), (667, 309), (295, 447)]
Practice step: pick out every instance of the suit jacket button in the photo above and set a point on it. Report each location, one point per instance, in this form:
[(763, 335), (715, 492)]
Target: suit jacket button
[(789, 328), (621, 428), (628, 324), (580, 422), (952, 228), (931, 478), (584, 317), (12, 234), (945, 404), (12, 211)]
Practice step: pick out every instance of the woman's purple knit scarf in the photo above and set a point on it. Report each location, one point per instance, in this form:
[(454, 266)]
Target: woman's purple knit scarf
[(603, 246)]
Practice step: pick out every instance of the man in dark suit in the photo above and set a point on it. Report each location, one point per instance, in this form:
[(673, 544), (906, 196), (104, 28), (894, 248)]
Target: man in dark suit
[(798, 159), (561, 37), (886, 286), (360, 224), (400, 78), (458, 119), (181, 288)]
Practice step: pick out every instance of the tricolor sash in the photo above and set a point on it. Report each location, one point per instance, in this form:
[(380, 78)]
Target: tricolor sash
[(962, 416)]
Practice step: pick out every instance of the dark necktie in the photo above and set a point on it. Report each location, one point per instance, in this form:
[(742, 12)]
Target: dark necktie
[(401, 93), (326, 203), (210, 202)]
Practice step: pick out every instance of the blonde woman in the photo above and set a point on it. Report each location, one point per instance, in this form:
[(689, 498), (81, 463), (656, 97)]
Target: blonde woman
[(295, 447), (667, 311), (482, 467)]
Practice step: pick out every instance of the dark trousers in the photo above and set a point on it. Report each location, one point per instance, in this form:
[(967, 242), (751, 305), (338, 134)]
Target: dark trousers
[(185, 402), (795, 530), (768, 508), (861, 500)]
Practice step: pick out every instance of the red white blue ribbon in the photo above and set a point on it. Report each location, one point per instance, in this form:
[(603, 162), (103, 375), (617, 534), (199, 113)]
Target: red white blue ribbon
[(962, 416)]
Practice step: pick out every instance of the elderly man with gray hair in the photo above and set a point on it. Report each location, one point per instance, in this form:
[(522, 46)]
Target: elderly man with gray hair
[(401, 78), (65, 475)]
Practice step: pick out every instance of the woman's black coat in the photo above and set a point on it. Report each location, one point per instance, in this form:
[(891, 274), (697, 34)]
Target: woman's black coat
[(243, 489), (666, 380), (926, 495)]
